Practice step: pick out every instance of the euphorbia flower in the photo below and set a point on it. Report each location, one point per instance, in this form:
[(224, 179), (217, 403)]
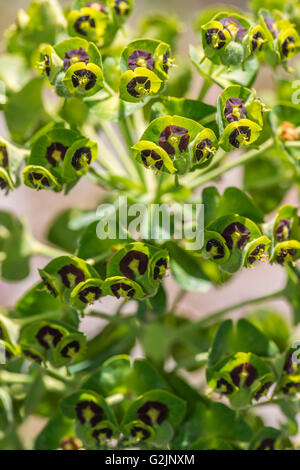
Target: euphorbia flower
[(121, 289), (102, 435), (224, 387), (71, 275), (71, 349), (49, 337), (236, 233), (235, 109), (283, 230), (75, 55), (153, 412), (263, 390), (83, 79), (236, 30), (89, 412), (134, 263), (55, 153), (160, 269), (173, 137), (141, 58), (122, 7), (243, 373)]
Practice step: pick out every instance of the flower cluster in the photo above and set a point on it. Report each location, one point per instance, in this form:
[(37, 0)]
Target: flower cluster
[(58, 158), (144, 65), (230, 39)]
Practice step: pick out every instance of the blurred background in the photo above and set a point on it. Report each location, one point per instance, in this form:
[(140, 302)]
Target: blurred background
[(40, 208)]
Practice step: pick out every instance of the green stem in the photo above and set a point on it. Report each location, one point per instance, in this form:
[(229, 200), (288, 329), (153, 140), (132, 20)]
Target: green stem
[(180, 295), (42, 316), (246, 157), (221, 313), (204, 89), (46, 250)]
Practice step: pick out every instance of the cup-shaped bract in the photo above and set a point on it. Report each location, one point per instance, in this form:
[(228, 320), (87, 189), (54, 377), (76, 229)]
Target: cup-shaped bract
[(83, 79), (88, 23), (204, 148), (215, 247), (153, 156), (138, 84), (49, 64), (257, 250), (86, 293), (37, 177), (74, 50), (239, 134)]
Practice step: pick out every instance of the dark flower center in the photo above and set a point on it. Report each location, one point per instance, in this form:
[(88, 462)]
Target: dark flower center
[(174, 136), (56, 152), (139, 433), (166, 61), (271, 25), (236, 232), (89, 411), (216, 248), (286, 256), (139, 87), (75, 55), (46, 65), (235, 109), (204, 149), (82, 158), (134, 262), (70, 443), (160, 269), (120, 289), (224, 387), (239, 135), (291, 387), (266, 444), (246, 372), (83, 23), (288, 46), (215, 38), (283, 230), (32, 357), (141, 58), (38, 180), (263, 390), (3, 156), (97, 6), (70, 349), (151, 158), (290, 367), (90, 294), (71, 275), (121, 7), (84, 79), (257, 41), (257, 254), (48, 337), (102, 435), (234, 27), (153, 412)]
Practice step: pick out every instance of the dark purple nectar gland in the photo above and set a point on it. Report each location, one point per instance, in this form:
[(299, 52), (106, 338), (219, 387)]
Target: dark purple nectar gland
[(3, 184), (150, 158), (139, 87), (204, 149), (49, 337), (167, 61), (70, 443), (121, 7), (266, 444), (245, 373), (257, 254), (235, 109), (262, 392), (120, 289), (82, 158), (160, 269), (139, 434), (45, 66), (102, 435), (70, 350), (291, 388), (49, 288), (75, 55), (239, 135), (71, 275), (236, 232), (173, 136), (90, 294), (141, 58), (215, 38), (96, 6), (3, 156), (215, 248), (84, 79), (257, 41), (283, 230), (288, 46), (286, 256), (134, 262), (153, 412), (224, 387), (55, 153), (83, 24), (32, 357), (234, 27), (89, 411), (38, 180)]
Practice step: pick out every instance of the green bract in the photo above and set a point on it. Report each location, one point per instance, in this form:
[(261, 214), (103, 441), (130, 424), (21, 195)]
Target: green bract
[(139, 84)]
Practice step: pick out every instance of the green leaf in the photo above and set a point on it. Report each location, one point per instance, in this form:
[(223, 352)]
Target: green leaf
[(192, 109), (61, 232), (236, 201), (272, 325), (53, 433)]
